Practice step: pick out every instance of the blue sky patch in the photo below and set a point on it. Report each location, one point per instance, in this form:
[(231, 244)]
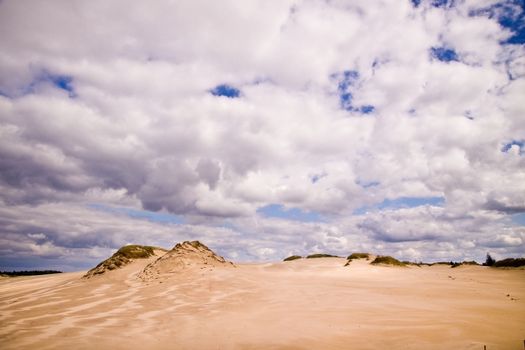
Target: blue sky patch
[(367, 109), (367, 184), (442, 3), (316, 177), (59, 81), (435, 3), (518, 219), (296, 214), (159, 217), (411, 202), (510, 14), (444, 54), (63, 82), (403, 202), (345, 81), (519, 143), (226, 91)]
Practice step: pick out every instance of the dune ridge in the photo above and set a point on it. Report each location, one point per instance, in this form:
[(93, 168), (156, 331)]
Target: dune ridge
[(184, 256)]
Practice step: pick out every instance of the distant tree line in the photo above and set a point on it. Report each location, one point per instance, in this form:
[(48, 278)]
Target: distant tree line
[(28, 272), (509, 262)]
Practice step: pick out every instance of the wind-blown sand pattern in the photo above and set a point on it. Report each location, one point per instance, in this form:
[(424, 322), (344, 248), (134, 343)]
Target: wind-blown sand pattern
[(302, 304)]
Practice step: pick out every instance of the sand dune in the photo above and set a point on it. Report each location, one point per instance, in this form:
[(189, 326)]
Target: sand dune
[(184, 256), (302, 304)]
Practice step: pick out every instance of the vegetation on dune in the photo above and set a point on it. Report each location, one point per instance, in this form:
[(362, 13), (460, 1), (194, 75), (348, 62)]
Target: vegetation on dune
[(314, 256), (472, 262), (134, 251), (293, 257), (456, 264), (28, 273), (418, 264), (387, 260), (510, 262), (122, 257), (358, 256), (194, 244)]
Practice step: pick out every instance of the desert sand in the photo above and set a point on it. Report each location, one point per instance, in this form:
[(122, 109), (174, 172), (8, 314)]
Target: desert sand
[(301, 304)]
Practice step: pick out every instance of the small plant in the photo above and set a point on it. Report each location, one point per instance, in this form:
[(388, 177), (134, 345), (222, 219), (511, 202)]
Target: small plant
[(293, 257), (387, 260)]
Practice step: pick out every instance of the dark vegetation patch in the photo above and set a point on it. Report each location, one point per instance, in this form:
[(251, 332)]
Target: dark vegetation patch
[(418, 264), (387, 260), (358, 256), (28, 273), (510, 262), (456, 264), (134, 251), (314, 256), (489, 261), (293, 257)]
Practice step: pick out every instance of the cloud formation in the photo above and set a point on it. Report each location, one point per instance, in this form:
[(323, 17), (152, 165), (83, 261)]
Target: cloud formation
[(214, 112)]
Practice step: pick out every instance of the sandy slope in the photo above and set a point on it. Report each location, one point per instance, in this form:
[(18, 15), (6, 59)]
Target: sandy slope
[(304, 304)]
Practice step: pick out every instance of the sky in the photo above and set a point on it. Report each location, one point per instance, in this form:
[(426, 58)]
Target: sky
[(261, 128)]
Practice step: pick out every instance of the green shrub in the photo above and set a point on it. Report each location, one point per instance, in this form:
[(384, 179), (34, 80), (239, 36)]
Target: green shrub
[(293, 257), (387, 260), (358, 256), (313, 256), (510, 262)]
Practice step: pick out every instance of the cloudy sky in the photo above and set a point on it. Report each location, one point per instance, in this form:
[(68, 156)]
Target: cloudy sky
[(262, 128)]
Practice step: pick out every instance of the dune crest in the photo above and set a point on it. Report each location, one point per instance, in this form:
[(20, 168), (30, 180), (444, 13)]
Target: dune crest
[(184, 256)]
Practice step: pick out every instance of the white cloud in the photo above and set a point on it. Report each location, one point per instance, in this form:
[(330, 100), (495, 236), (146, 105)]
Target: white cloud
[(141, 130)]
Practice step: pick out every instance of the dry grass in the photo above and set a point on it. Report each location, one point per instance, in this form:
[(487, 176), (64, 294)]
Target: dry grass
[(314, 256), (358, 256), (293, 257), (387, 260)]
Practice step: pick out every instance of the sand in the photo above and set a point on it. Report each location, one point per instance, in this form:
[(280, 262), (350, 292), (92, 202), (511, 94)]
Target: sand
[(302, 304)]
